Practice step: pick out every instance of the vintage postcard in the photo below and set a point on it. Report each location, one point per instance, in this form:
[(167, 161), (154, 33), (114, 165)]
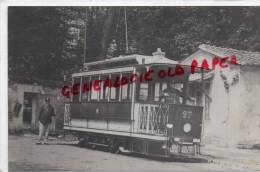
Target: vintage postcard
[(131, 87)]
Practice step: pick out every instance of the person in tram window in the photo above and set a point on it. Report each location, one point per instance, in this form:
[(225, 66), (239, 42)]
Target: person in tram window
[(173, 95), (45, 119)]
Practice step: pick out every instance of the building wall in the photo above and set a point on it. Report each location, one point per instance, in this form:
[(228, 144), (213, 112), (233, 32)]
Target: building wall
[(16, 93), (234, 115), (250, 106), (224, 109)]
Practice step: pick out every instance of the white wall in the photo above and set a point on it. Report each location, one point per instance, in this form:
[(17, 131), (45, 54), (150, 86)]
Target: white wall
[(224, 108), (250, 106), (234, 116)]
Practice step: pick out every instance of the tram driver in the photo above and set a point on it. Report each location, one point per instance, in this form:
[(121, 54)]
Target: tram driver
[(173, 95)]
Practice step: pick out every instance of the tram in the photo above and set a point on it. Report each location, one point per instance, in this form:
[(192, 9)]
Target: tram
[(119, 105)]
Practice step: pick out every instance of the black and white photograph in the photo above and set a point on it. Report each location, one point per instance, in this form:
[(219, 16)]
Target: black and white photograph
[(133, 88)]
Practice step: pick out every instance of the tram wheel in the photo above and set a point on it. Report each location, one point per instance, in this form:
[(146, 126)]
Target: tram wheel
[(113, 146), (82, 143), (114, 149), (87, 145)]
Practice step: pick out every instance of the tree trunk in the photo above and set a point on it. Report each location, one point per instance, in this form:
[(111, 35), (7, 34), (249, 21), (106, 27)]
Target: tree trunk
[(107, 28)]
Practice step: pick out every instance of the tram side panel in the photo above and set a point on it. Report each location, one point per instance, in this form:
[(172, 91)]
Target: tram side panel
[(101, 115), (147, 119)]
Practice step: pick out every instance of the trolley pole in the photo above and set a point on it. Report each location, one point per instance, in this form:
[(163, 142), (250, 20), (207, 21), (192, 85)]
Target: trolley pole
[(85, 38), (126, 35)]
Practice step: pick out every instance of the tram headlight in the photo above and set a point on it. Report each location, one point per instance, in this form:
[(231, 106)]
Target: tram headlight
[(187, 127), (169, 125)]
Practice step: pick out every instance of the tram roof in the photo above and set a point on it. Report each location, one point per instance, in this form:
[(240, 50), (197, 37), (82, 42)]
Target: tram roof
[(129, 60), (125, 63)]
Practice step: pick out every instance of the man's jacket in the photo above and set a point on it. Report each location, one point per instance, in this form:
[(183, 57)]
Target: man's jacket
[(45, 114)]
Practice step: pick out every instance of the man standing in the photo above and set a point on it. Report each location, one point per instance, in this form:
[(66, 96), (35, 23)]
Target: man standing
[(45, 119)]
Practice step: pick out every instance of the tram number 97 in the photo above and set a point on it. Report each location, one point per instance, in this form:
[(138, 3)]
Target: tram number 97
[(186, 114)]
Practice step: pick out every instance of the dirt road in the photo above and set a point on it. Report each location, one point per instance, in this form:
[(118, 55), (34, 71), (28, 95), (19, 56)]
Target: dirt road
[(25, 155)]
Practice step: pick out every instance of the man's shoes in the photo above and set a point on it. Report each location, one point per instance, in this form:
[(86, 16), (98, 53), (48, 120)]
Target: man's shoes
[(46, 143), (38, 143)]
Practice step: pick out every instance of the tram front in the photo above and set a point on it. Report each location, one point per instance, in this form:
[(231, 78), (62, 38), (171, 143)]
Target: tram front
[(171, 109)]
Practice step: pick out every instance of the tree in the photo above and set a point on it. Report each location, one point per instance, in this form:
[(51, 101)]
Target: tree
[(107, 31), (47, 42), (43, 41)]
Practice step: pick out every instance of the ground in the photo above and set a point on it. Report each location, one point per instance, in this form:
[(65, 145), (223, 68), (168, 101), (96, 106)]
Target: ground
[(25, 155)]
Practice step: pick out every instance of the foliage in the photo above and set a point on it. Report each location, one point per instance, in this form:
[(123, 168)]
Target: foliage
[(47, 42), (42, 42)]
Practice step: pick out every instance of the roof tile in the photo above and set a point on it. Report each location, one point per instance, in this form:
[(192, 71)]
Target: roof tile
[(243, 57)]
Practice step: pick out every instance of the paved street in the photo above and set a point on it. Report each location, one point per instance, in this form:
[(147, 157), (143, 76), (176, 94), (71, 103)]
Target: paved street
[(24, 155)]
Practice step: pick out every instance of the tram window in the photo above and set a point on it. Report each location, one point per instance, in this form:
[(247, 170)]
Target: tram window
[(158, 88), (164, 85), (143, 93), (94, 93), (179, 86), (114, 90), (104, 92), (157, 91), (127, 92), (130, 90), (84, 96), (126, 89), (76, 97)]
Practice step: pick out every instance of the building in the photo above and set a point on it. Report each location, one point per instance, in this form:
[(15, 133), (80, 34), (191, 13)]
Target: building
[(232, 96), (25, 101)]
